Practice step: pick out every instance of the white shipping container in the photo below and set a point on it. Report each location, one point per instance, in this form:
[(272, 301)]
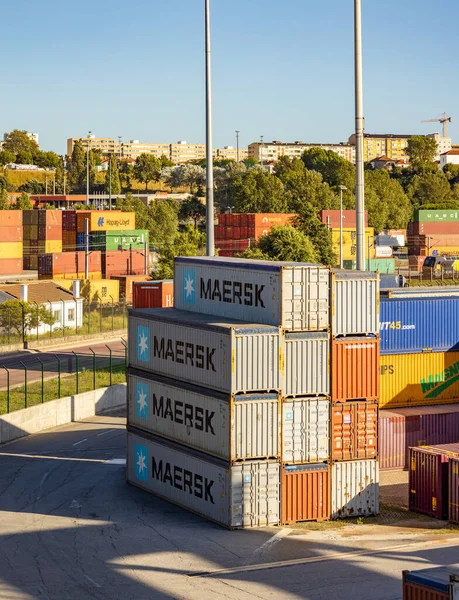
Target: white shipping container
[(229, 427), (306, 430), (225, 355), (354, 303), (243, 495), (292, 295), (355, 488), (307, 364)]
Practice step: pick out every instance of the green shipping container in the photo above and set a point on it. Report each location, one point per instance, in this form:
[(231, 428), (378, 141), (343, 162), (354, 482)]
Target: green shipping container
[(119, 240), (383, 265), (436, 216)]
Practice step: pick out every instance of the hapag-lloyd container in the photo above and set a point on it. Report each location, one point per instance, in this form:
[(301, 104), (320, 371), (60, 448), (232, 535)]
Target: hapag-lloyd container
[(428, 479), (307, 364), (354, 430), (354, 303), (419, 379), (453, 482), (225, 355), (291, 295), (305, 493), (229, 427), (402, 428), (245, 494), (355, 488), (153, 294), (355, 368), (439, 583), (306, 430), (419, 324)]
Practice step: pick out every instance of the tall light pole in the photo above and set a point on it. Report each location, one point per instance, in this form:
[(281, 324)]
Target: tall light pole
[(261, 150), (359, 129), (342, 188), (87, 170), (237, 145), (210, 246), (120, 137), (110, 182)]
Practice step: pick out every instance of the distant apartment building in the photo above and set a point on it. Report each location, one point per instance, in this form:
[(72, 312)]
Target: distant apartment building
[(451, 157), (266, 152), (31, 136), (443, 144), (179, 153), (394, 146)]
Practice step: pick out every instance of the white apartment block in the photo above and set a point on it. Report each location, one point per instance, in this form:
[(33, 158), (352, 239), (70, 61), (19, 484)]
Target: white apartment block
[(443, 144), (451, 157), (265, 152)]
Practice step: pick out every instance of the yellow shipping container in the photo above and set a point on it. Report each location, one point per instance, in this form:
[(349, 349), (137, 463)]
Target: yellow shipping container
[(96, 275), (105, 291), (349, 242), (53, 246), (11, 249), (419, 379), (103, 220)]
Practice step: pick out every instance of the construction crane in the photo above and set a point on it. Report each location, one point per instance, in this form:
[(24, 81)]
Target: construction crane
[(444, 120)]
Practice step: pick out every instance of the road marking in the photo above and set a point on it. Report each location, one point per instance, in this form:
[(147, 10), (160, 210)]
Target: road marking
[(116, 461), (43, 479), (105, 432), (80, 442), (273, 540), (71, 458), (92, 581)]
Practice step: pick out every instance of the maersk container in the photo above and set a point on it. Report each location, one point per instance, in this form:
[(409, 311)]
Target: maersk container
[(419, 324), (355, 489), (306, 430), (354, 303), (222, 354), (229, 427), (294, 296), (241, 495), (307, 369), (438, 583)]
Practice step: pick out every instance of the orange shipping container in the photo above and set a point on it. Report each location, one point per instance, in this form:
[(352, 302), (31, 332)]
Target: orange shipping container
[(354, 430), (270, 219), (153, 294), (355, 368), (127, 284), (11, 266), (11, 226), (305, 493)]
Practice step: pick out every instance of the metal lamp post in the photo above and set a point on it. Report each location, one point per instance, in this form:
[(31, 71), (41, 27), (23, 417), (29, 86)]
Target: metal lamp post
[(359, 135), (110, 182), (342, 188), (237, 145), (210, 245), (87, 170)]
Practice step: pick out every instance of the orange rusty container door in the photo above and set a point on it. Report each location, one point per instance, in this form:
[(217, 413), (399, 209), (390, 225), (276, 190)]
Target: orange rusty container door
[(355, 368), (354, 430), (305, 493)]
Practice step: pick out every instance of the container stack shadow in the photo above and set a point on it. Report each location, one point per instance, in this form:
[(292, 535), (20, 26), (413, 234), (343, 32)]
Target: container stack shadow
[(230, 410)]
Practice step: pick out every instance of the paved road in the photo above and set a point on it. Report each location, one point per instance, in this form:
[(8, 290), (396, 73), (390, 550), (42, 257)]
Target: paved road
[(72, 529), (50, 360)]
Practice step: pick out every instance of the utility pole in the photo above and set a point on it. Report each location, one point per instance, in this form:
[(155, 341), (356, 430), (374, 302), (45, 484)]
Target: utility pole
[(359, 133), (87, 170), (341, 189), (86, 249), (237, 145), (210, 246), (120, 137), (110, 182), (261, 150)]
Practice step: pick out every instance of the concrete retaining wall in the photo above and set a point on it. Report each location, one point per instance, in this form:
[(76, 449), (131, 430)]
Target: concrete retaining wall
[(60, 412)]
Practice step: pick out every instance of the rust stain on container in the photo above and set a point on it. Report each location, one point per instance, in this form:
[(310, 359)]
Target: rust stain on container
[(355, 368), (354, 430), (305, 493)]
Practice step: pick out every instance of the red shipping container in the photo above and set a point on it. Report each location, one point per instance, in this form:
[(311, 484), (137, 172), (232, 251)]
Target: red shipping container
[(235, 220), (453, 498), (61, 263), (123, 263), (69, 220), (443, 228), (226, 253), (127, 283), (229, 233), (355, 368), (244, 220), (11, 226), (244, 232), (354, 432), (415, 262), (11, 266), (438, 583), (251, 220), (349, 218), (401, 429), (153, 294), (236, 232), (305, 493)]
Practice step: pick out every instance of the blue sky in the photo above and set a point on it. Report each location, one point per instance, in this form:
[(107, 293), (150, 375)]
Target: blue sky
[(283, 70)]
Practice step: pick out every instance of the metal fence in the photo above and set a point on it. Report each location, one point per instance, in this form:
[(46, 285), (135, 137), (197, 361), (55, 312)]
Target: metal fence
[(83, 318), (38, 379)]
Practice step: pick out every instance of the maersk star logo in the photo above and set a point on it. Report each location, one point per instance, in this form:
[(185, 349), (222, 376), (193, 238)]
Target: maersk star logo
[(143, 343), (189, 286), (141, 462), (141, 404)]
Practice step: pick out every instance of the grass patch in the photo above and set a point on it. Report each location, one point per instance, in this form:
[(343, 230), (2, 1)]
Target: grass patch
[(52, 389)]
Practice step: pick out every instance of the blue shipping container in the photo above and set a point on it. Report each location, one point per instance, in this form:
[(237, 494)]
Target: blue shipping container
[(80, 241), (411, 325)]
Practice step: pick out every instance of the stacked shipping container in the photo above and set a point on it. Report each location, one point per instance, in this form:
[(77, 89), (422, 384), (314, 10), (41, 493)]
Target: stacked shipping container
[(42, 230), (433, 230), (11, 242)]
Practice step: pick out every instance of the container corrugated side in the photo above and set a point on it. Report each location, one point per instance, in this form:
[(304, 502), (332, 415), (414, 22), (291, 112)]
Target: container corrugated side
[(306, 430), (407, 325), (307, 370), (355, 368), (428, 479), (402, 428), (419, 379), (292, 295), (439, 583), (354, 303), (453, 484), (355, 488), (354, 430), (229, 427), (305, 493), (225, 355), (239, 496), (153, 294)]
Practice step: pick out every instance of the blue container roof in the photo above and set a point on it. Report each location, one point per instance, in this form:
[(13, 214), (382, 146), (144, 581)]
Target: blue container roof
[(437, 578)]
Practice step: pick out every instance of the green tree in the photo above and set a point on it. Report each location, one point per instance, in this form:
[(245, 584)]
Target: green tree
[(421, 150), (189, 242), (132, 204), (451, 172), (22, 317), (115, 176), (18, 141), (192, 208), (126, 171), (147, 168), (7, 157), (4, 202), (166, 162), (254, 253), (429, 188), (387, 204), (23, 202), (33, 187), (77, 170), (164, 223), (47, 160), (24, 158), (250, 162), (254, 191), (334, 169), (309, 223), (288, 244)]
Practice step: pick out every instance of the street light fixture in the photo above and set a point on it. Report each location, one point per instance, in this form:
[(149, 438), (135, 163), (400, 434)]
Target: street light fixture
[(359, 135), (237, 145), (342, 188)]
